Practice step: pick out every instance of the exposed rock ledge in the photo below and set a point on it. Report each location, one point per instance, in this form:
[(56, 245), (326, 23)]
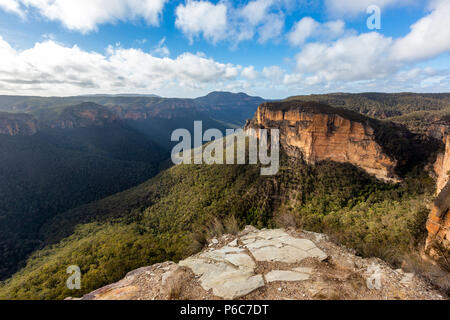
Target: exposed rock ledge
[(322, 132), (438, 227), (14, 124), (269, 264), (438, 224), (442, 165)]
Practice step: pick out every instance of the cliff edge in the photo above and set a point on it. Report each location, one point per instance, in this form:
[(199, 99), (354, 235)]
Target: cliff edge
[(321, 132), (269, 264), (438, 224), (14, 124)]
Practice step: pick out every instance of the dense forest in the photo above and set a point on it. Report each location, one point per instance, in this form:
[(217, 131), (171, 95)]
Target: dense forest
[(415, 110), (55, 170), (83, 152), (232, 108), (169, 217), (54, 184)]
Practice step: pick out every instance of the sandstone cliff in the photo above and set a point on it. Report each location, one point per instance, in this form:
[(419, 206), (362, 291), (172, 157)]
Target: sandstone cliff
[(438, 224), (13, 124), (442, 165), (321, 132), (269, 264), (78, 116)]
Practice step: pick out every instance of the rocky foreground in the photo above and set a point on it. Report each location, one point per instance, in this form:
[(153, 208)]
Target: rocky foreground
[(269, 264)]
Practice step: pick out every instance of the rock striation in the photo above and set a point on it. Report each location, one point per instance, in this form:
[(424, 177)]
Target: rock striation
[(268, 264), (14, 124), (442, 165), (438, 224), (321, 132), (80, 116), (438, 227)]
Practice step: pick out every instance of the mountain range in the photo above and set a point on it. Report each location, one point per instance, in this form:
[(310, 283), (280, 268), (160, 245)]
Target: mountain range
[(86, 181)]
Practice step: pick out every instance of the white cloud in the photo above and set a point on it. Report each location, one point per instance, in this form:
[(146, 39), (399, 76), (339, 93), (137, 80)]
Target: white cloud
[(352, 7), (371, 57), (86, 15), (334, 29), (337, 60), (255, 11), (273, 73), (202, 17), (302, 30), (262, 17), (224, 21), (307, 28), (161, 49), (12, 6), (272, 28), (352, 58), (429, 37), (51, 68), (250, 73)]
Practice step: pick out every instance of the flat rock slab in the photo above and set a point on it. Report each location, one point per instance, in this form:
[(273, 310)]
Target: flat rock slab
[(283, 254), (233, 288), (230, 270), (278, 246), (231, 278), (237, 266), (304, 270), (281, 275), (407, 278)]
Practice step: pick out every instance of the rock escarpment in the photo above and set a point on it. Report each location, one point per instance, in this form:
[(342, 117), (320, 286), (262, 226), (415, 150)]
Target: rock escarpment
[(438, 224), (322, 133), (269, 264), (442, 165), (80, 116), (14, 124)]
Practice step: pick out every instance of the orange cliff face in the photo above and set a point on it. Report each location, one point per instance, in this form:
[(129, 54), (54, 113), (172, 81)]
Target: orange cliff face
[(325, 133), (442, 166), (438, 224), (17, 124)]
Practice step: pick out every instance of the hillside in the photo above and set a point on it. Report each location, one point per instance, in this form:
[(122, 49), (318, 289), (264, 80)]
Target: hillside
[(14, 124), (169, 217), (224, 106), (321, 132), (416, 110), (86, 114), (65, 152), (270, 265), (58, 169)]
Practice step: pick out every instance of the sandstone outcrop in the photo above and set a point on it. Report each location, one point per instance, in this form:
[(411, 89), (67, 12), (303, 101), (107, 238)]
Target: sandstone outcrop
[(322, 133), (80, 116), (14, 124), (442, 165), (438, 224), (269, 264)]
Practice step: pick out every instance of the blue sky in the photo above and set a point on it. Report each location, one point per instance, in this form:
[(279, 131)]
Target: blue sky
[(271, 48)]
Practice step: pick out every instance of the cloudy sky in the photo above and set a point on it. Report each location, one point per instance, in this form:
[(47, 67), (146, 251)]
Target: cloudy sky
[(187, 48)]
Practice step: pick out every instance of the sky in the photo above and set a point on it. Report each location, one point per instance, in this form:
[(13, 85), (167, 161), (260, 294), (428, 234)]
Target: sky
[(270, 48)]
